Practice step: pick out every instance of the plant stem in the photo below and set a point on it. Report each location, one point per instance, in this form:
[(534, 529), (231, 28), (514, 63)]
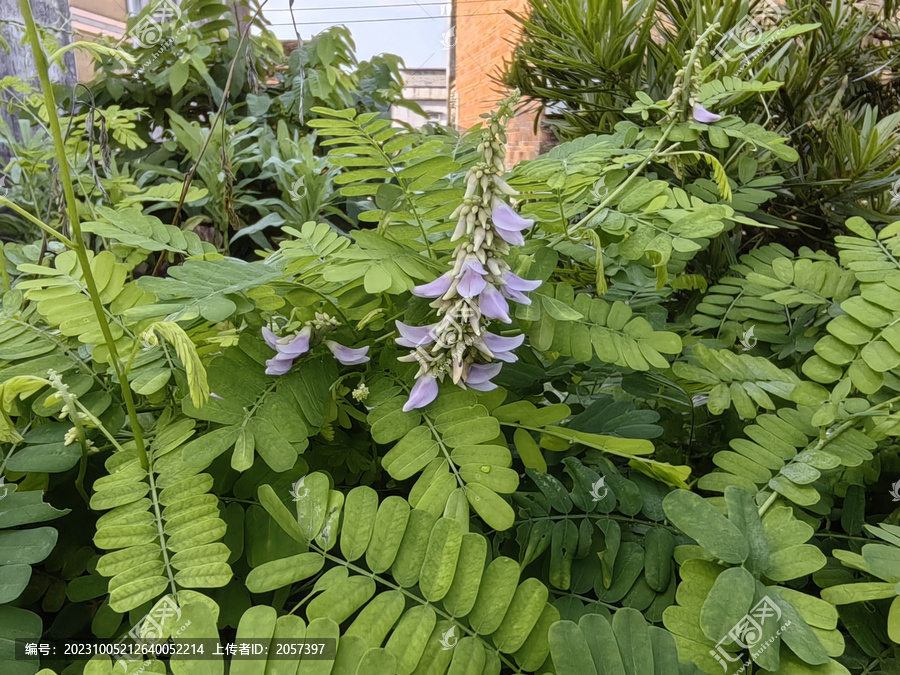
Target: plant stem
[(3, 272), (65, 178), (37, 222), (657, 149)]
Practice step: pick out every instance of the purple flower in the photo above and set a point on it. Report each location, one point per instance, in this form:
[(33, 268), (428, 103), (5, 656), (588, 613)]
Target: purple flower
[(270, 338), (500, 348), (347, 355), (435, 289), (471, 281), (289, 349), (424, 391), (493, 305), (414, 336), (278, 365), (480, 375), (703, 115), (514, 285), (509, 224)]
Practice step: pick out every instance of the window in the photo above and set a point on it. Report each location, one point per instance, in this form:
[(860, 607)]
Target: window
[(136, 6)]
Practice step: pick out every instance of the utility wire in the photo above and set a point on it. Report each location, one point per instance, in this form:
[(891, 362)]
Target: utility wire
[(340, 22), (415, 4)]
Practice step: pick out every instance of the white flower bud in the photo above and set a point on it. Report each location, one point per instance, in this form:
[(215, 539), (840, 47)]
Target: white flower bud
[(503, 187), (478, 239), (460, 229)]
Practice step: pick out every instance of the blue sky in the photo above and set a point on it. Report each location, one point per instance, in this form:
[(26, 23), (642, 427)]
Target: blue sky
[(417, 38)]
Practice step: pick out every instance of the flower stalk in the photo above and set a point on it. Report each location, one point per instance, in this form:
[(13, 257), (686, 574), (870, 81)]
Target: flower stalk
[(478, 285), (77, 241)]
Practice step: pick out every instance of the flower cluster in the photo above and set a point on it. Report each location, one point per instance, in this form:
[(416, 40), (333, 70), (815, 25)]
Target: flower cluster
[(686, 88), (70, 409), (477, 287), (291, 347)]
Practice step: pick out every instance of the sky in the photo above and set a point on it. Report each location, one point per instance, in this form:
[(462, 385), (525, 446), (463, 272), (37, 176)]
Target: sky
[(418, 37)]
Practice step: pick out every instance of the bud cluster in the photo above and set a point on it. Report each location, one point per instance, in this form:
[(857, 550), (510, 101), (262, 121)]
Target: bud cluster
[(478, 285)]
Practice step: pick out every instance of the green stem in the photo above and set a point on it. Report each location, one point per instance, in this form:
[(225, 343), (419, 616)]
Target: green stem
[(881, 657), (82, 463), (585, 598), (601, 516), (6, 283), (622, 186), (160, 531), (827, 438), (37, 222), (409, 195), (96, 422), (657, 148), (65, 178), (3, 273)]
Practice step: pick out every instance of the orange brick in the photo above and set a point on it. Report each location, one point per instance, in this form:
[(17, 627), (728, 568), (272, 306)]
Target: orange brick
[(484, 45)]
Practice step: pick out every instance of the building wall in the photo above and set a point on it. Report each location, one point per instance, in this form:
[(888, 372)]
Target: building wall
[(428, 88), (91, 18), (484, 40)]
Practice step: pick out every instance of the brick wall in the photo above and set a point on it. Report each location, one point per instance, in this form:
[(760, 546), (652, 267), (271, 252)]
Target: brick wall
[(484, 44)]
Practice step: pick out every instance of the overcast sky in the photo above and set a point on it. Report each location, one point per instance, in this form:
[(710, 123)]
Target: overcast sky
[(416, 37)]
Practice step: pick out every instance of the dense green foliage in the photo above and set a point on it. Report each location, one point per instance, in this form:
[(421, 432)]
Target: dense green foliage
[(700, 421), (838, 104)]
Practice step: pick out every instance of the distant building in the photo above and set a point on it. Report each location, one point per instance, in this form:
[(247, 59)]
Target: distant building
[(428, 88), (91, 18)]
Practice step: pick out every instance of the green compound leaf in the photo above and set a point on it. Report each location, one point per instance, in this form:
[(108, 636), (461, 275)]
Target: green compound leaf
[(698, 519), (447, 572), (162, 528)]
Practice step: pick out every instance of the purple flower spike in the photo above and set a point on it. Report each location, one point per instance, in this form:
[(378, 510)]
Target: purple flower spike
[(435, 289), (347, 355), (480, 376), (414, 336), (501, 347), (471, 281), (493, 305), (704, 116), (509, 224), (424, 391)]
